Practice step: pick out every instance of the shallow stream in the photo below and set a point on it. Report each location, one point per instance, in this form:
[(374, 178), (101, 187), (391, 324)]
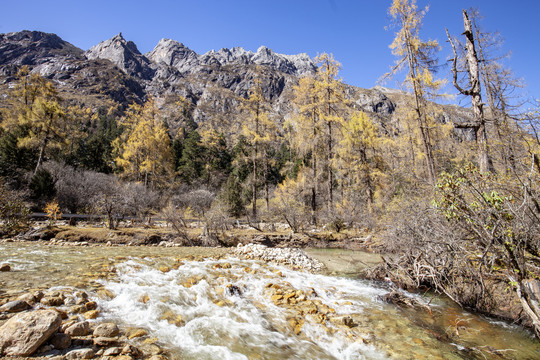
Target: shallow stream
[(227, 308)]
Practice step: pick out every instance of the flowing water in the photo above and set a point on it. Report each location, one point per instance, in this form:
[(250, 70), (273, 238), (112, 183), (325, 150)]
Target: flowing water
[(221, 307)]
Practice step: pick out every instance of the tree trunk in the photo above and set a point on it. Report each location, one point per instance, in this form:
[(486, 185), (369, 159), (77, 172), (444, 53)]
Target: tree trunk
[(330, 172), (254, 186), (255, 153), (421, 114), (314, 192), (368, 183), (484, 160), (44, 145)]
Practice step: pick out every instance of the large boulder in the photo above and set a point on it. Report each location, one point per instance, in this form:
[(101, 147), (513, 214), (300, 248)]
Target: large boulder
[(25, 332)]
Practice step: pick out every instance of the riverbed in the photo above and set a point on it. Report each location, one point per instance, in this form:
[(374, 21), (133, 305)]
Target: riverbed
[(202, 303)]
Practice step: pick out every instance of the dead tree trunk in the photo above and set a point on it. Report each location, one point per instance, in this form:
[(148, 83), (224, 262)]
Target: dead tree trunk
[(475, 92)]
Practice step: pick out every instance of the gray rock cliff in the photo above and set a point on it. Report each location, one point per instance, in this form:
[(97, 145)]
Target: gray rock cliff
[(214, 82)]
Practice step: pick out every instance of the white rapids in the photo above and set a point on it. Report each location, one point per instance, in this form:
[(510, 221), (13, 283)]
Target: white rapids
[(245, 324)]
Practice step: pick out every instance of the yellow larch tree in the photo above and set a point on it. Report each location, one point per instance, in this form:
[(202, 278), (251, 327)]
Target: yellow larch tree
[(144, 150), (418, 57), (308, 139), (259, 131), (359, 150), (331, 101), (35, 106)]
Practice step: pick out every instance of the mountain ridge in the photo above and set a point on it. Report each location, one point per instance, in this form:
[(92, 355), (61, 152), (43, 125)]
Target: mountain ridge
[(214, 82)]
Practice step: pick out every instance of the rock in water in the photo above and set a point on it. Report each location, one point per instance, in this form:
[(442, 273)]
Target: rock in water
[(5, 267), (78, 329), (26, 332), (106, 330), (15, 306)]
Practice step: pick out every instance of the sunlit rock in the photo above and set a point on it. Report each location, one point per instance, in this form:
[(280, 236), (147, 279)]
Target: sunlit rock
[(24, 333)]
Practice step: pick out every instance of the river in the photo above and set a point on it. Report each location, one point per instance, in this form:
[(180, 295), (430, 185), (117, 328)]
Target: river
[(200, 303)]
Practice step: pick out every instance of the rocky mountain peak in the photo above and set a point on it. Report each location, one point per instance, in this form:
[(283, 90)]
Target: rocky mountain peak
[(298, 65), (123, 54), (175, 54), (34, 48)]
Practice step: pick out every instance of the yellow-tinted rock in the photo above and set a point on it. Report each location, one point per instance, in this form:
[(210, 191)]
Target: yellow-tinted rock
[(91, 305), (135, 333), (154, 349), (172, 318), (164, 269), (289, 295), (226, 266), (144, 298), (123, 357), (105, 294), (92, 314), (150, 341)]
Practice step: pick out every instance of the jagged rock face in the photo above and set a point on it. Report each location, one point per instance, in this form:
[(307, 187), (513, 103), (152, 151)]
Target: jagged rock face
[(375, 101), (34, 47), (123, 54), (215, 82), (183, 59), (174, 54)]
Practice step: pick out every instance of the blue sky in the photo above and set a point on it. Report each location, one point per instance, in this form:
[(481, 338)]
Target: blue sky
[(352, 30)]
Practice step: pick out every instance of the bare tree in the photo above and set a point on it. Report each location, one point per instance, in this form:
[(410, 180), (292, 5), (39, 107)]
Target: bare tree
[(474, 91)]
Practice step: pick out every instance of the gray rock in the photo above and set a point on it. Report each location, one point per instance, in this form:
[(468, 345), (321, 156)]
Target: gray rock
[(61, 341), (29, 298), (112, 351), (24, 333), (131, 350), (175, 54), (80, 354), (105, 341), (106, 330), (123, 54), (52, 301), (78, 329), (15, 306)]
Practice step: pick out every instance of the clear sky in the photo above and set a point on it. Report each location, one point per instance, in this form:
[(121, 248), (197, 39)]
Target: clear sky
[(352, 30)]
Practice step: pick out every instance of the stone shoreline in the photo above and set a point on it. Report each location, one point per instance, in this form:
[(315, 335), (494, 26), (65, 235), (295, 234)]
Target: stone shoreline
[(60, 325)]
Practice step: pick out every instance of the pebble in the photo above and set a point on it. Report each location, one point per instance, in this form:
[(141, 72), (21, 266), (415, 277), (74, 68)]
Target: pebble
[(5, 267), (78, 329), (107, 330), (136, 333), (80, 354), (92, 314)]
